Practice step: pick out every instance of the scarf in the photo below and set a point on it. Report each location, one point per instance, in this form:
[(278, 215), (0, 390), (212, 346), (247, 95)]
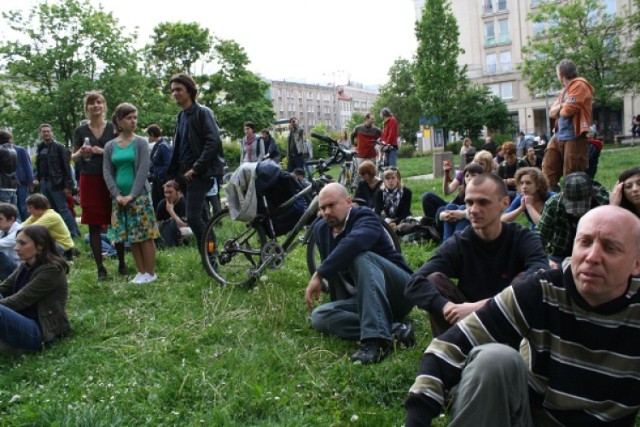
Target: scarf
[(391, 200), (249, 145)]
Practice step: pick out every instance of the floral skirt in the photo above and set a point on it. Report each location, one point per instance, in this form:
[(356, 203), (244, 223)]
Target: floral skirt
[(133, 223)]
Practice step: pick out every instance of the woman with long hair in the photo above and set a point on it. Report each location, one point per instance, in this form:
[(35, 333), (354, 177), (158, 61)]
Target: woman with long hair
[(534, 192), (34, 296), (393, 200), (126, 165), (626, 193), (89, 140), (344, 140)]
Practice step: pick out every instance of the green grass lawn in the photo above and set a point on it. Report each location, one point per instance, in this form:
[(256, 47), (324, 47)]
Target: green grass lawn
[(184, 351)]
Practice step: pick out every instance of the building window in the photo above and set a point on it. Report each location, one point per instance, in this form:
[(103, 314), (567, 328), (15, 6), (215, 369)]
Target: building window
[(491, 63), (505, 61), (502, 90), (489, 34), (502, 5), (506, 90), (503, 24), (487, 7)]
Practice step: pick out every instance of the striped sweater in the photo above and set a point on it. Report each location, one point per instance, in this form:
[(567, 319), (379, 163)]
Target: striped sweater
[(583, 361)]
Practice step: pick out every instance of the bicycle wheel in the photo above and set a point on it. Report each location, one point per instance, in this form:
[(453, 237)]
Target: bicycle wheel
[(231, 251), (313, 254)]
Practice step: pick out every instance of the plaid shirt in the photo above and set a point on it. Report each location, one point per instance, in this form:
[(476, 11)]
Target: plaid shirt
[(557, 229)]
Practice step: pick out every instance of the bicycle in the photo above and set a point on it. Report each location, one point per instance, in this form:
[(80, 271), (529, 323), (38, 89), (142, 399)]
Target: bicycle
[(237, 252), (349, 176), (382, 158)]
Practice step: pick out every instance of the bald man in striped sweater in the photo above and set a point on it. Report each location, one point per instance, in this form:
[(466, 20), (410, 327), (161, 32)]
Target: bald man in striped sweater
[(578, 332)]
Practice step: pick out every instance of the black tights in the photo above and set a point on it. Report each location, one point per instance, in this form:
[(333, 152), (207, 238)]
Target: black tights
[(95, 242)]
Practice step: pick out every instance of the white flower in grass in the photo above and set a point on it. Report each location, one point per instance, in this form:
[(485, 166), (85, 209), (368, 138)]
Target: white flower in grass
[(14, 398), (354, 418)]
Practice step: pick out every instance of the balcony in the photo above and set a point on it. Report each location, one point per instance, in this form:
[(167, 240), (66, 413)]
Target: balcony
[(489, 41)]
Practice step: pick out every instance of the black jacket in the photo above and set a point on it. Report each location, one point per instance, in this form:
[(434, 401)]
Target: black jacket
[(204, 142), (8, 166), (58, 162)]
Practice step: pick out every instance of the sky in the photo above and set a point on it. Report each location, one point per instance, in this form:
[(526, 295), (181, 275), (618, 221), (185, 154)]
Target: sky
[(325, 41)]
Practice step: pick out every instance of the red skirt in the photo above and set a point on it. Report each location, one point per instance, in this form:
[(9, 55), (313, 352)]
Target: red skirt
[(95, 200)]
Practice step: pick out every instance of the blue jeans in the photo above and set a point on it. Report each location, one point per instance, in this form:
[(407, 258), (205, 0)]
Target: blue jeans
[(7, 265), (450, 228), (18, 331), (22, 194), (379, 301), (8, 196), (58, 202), (393, 157)]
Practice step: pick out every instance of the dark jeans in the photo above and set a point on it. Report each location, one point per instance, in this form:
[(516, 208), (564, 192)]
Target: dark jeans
[(23, 193), (295, 161), (58, 202), (195, 193), (378, 303), (18, 331)]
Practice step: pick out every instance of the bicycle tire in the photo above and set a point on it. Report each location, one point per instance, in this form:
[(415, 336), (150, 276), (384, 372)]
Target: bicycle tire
[(232, 249), (342, 178), (313, 254)]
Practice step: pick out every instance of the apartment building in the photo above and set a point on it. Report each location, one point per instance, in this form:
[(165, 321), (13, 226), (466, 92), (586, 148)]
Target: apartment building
[(313, 104), (492, 34)]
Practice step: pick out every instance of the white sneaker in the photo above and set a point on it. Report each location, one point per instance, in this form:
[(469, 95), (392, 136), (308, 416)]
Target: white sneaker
[(148, 278), (139, 278)]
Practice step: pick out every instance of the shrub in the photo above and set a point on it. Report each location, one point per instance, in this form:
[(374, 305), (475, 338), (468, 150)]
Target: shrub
[(406, 151)]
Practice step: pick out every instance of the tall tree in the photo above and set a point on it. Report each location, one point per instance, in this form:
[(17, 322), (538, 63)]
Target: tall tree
[(238, 94), (438, 76), (177, 47), (69, 48), (399, 95), (598, 42)]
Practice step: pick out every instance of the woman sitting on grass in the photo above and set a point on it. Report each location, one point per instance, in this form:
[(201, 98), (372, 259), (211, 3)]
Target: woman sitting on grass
[(369, 184), (34, 296), (626, 193), (453, 216), (534, 192), (393, 200)]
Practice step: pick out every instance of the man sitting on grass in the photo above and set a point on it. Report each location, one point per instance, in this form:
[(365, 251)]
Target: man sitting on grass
[(9, 226), (42, 214), (579, 357), (366, 278)]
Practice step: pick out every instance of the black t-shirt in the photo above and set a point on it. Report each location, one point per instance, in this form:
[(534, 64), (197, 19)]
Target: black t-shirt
[(180, 209), (93, 165)]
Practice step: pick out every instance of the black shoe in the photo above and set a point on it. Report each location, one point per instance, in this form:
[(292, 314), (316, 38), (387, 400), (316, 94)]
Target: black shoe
[(371, 351), (102, 274), (403, 334), (123, 270)]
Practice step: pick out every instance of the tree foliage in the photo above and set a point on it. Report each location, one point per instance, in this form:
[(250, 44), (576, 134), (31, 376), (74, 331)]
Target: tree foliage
[(355, 120), (400, 96), (177, 47), (477, 107), (71, 47), (599, 43), (68, 47), (438, 76)]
